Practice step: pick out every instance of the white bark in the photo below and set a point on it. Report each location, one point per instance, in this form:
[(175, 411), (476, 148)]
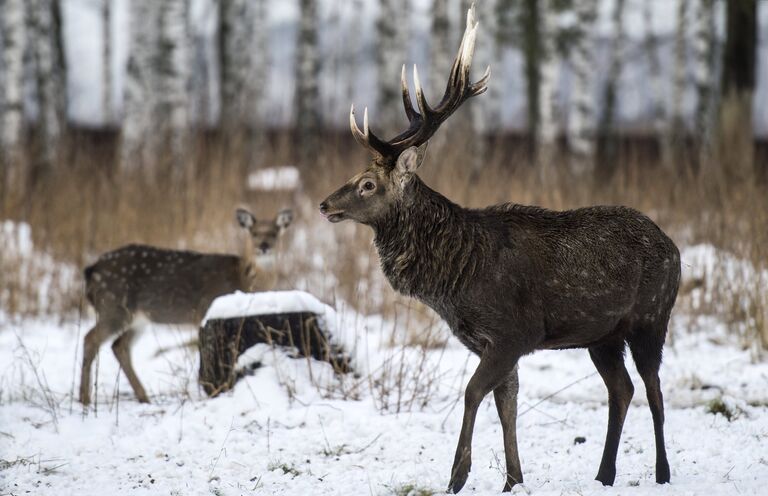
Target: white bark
[(658, 102), (235, 49), (173, 71), (546, 135), (392, 34), (615, 65), (704, 59), (582, 115), (13, 32), (139, 86), (49, 76), (307, 81)]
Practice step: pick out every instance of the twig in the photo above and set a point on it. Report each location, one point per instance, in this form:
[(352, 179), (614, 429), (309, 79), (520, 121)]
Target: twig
[(554, 394)]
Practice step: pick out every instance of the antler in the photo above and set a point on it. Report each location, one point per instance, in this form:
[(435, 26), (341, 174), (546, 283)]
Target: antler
[(424, 123)]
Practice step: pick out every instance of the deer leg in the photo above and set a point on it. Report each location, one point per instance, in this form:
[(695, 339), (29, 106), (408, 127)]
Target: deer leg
[(505, 395), (646, 351), (609, 361), (122, 350), (91, 344), (493, 368)]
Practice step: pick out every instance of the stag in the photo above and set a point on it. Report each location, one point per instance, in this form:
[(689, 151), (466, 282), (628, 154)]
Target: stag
[(512, 279), (136, 283)]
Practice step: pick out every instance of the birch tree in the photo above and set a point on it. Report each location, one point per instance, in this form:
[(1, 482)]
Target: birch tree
[(678, 130), (308, 118), (13, 32), (50, 78), (529, 24), (546, 132), (705, 39), (582, 115), (608, 152), (658, 102), (392, 38), (173, 78), (485, 112), (106, 56), (139, 85)]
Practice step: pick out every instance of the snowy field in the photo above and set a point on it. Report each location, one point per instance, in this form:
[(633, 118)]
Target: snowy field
[(292, 427)]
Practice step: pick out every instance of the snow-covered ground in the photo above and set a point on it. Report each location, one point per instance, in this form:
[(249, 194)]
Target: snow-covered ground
[(292, 428)]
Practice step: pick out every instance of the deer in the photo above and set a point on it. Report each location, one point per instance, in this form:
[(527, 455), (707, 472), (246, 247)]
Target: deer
[(512, 279), (138, 283)]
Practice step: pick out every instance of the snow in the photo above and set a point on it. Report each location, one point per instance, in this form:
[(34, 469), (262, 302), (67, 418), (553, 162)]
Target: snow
[(295, 427)]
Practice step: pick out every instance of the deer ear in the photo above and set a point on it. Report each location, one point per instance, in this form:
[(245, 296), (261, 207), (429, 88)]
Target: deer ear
[(284, 218), (245, 218), (410, 160)]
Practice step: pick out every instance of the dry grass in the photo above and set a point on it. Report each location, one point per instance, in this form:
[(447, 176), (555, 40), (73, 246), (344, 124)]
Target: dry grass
[(85, 207)]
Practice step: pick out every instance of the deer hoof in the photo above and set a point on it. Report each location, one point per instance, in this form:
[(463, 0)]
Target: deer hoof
[(459, 476)]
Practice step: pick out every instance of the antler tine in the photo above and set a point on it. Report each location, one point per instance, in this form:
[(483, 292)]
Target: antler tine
[(481, 86), (421, 100), (409, 111), (360, 136)]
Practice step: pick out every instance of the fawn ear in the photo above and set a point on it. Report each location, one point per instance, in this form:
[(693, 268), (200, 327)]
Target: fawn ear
[(245, 218), (410, 160), (284, 218)]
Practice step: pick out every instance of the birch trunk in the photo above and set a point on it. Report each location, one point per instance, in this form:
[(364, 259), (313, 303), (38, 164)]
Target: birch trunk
[(678, 130), (307, 116), (13, 32), (658, 102), (704, 61), (485, 111), (392, 33), (608, 149), (140, 96), (173, 71), (106, 57), (49, 78), (546, 134), (582, 116)]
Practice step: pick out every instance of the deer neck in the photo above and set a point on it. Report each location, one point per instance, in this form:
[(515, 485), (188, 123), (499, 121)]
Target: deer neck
[(426, 246), (257, 272)]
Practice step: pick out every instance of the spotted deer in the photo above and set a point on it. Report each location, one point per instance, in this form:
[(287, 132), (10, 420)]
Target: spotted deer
[(136, 283), (512, 279)]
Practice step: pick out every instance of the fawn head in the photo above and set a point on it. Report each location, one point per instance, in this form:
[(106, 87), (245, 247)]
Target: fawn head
[(372, 194), (263, 234)]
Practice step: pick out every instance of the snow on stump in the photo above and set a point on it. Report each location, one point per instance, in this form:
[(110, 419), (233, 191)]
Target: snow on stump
[(292, 319)]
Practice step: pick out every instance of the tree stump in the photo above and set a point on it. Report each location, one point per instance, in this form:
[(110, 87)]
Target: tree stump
[(223, 340)]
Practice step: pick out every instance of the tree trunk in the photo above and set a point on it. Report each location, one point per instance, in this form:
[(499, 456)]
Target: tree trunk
[(307, 115), (173, 71), (136, 143), (658, 102), (678, 130), (546, 134), (13, 32), (485, 112), (531, 46), (736, 135), (50, 81), (607, 152), (582, 116), (392, 33), (704, 59), (106, 56)]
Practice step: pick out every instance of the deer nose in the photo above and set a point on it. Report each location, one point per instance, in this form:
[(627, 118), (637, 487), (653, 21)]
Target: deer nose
[(323, 208), (264, 246)]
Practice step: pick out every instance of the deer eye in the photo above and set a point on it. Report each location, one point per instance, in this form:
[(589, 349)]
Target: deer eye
[(369, 186)]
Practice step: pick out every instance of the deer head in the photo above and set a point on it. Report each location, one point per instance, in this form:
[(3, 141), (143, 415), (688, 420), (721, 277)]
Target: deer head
[(263, 234), (371, 195)]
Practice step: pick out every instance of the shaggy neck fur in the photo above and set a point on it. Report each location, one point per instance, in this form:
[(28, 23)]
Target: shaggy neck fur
[(257, 273), (427, 247)]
